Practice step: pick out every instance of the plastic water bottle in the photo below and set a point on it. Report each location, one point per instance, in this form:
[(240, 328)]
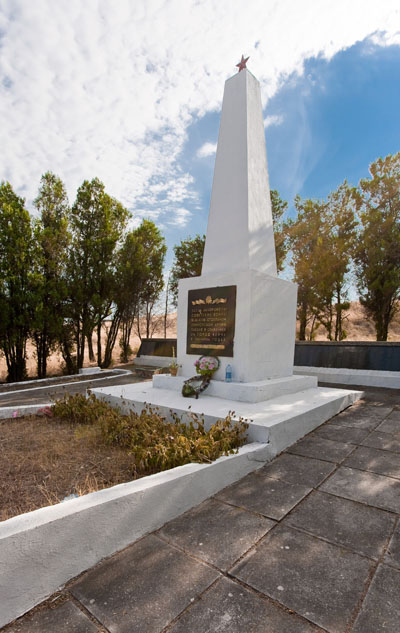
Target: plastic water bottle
[(228, 373)]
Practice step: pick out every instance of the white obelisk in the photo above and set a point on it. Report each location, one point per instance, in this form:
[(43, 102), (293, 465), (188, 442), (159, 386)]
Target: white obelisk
[(240, 215), (240, 250)]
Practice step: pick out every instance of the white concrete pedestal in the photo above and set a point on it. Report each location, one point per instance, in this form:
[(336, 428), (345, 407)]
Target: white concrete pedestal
[(265, 325), (279, 421), (259, 391)]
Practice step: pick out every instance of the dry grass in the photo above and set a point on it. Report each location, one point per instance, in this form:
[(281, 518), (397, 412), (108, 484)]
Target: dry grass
[(44, 460)]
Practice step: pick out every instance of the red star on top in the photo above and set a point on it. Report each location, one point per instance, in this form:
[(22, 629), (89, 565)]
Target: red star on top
[(242, 64)]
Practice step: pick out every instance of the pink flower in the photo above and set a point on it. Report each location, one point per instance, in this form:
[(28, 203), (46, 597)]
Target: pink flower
[(15, 414)]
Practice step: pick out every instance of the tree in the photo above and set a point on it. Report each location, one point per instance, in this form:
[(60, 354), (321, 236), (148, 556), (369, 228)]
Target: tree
[(377, 254), (16, 296), (97, 225), (279, 208), (50, 258), (321, 241), (306, 240), (336, 261), (128, 280), (153, 255), (187, 263)]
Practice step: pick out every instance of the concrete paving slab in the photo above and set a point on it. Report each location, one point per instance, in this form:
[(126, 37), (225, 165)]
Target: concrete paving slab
[(343, 522), (271, 497), (320, 581), (392, 556), (229, 608), (391, 424), (380, 612), (345, 434), (216, 532), (375, 490), (375, 461), (64, 619), (385, 441), (297, 469), (143, 588), (357, 420), (322, 448)]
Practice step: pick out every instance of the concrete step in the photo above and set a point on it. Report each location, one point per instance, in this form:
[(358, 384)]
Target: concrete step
[(279, 421)]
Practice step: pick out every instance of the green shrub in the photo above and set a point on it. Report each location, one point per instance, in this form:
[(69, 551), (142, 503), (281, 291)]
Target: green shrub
[(156, 443)]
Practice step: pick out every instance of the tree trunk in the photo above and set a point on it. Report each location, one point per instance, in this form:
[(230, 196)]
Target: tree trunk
[(303, 321), (111, 339), (89, 339), (99, 350)]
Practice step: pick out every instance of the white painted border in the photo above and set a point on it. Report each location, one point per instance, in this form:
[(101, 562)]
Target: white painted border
[(41, 550), (153, 361), (121, 372), (118, 371), (361, 377), (19, 412)]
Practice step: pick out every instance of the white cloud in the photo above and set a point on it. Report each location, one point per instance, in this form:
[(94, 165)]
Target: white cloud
[(181, 217), (208, 149), (109, 89), (273, 119)]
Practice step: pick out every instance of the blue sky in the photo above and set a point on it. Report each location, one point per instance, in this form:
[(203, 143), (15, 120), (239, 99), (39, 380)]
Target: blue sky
[(131, 92), (327, 124)]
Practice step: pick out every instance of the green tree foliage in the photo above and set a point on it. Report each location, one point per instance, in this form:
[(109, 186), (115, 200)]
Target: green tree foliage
[(321, 240), (377, 255), (279, 208), (187, 263), (16, 296), (129, 278), (306, 241), (50, 258), (97, 223), (153, 250)]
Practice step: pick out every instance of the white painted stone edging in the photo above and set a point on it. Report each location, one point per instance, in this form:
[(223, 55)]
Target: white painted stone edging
[(121, 371), (41, 550), (344, 376), (118, 372), (153, 361), (19, 412)]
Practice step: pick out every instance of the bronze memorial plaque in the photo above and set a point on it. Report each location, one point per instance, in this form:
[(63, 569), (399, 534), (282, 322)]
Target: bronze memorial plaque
[(211, 321)]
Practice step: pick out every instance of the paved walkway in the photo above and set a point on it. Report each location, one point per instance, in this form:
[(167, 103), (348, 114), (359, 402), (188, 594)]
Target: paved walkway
[(309, 543)]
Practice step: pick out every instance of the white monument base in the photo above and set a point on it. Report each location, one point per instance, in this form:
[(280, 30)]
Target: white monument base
[(279, 421), (259, 391), (265, 319)]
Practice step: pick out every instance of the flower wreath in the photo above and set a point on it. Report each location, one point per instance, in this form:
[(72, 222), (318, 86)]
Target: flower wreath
[(194, 386), (207, 365)]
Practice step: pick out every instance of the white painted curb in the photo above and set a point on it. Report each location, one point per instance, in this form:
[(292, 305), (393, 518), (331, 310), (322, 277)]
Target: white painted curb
[(19, 412), (41, 550), (359, 377), (53, 378), (153, 361), (118, 372)]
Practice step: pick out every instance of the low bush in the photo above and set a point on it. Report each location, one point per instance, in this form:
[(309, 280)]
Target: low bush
[(155, 443)]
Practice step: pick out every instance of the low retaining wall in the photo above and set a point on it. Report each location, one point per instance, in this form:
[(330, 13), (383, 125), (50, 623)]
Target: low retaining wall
[(353, 377), (41, 550), (363, 355)]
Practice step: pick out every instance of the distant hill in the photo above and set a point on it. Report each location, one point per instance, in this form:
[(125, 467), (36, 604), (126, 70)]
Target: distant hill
[(359, 328)]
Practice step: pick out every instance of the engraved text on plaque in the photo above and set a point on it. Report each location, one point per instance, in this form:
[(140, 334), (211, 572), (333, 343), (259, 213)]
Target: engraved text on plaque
[(211, 321)]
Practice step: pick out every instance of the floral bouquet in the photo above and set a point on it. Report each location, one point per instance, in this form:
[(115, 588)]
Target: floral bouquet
[(206, 365)]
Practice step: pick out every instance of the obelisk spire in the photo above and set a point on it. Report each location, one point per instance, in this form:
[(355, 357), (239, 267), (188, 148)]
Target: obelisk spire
[(240, 231)]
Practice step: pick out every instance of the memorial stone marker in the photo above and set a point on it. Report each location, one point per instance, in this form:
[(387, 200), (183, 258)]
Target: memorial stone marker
[(254, 330)]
